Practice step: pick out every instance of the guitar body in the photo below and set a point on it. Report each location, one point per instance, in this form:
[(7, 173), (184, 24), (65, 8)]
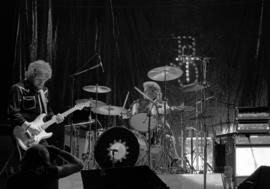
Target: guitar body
[(26, 139)]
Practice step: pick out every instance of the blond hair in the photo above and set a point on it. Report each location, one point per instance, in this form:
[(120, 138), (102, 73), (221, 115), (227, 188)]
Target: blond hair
[(154, 87)]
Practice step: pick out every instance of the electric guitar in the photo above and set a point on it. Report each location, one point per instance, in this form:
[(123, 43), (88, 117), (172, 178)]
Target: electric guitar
[(26, 139)]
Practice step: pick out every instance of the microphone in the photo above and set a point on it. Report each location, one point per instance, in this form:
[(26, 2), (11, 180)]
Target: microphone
[(100, 63)]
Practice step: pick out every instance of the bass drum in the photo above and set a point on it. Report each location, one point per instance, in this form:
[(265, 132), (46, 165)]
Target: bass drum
[(116, 147)]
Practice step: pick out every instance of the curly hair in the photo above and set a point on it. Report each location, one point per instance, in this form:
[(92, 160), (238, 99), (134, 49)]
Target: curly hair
[(153, 87), (38, 67)]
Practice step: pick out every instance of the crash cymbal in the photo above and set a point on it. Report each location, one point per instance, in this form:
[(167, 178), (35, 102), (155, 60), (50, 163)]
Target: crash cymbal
[(96, 89), (92, 103), (165, 73), (194, 88), (183, 108), (110, 110)]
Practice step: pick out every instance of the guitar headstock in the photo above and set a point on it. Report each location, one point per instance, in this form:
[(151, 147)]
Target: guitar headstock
[(81, 105)]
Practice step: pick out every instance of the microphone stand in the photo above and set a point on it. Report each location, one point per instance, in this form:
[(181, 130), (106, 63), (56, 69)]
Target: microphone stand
[(83, 71), (73, 77)]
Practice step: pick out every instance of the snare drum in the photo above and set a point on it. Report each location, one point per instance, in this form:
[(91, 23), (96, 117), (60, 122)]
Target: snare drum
[(140, 119)]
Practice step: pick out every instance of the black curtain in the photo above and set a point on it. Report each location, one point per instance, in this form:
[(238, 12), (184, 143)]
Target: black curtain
[(133, 37)]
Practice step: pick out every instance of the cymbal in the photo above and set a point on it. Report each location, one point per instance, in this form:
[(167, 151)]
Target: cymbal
[(92, 103), (165, 73), (96, 89), (194, 88), (183, 108), (110, 110), (191, 128)]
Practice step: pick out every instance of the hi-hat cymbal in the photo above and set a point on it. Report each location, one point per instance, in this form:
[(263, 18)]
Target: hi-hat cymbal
[(96, 89), (165, 73), (110, 110), (194, 88), (92, 103)]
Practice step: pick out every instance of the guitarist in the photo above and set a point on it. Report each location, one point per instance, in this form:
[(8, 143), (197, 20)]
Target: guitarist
[(29, 98)]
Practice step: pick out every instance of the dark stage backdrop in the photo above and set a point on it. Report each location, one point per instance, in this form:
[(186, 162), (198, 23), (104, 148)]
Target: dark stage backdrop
[(133, 37)]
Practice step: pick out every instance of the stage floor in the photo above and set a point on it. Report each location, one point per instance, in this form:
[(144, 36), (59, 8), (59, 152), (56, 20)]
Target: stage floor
[(173, 181)]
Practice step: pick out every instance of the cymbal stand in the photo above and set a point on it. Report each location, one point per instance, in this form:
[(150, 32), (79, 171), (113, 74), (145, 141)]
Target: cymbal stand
[(149, 114), (203, 122), (164, 159), (89, 153)]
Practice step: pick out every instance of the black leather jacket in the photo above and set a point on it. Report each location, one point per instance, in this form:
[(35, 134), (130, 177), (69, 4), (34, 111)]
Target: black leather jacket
[(24, 104)]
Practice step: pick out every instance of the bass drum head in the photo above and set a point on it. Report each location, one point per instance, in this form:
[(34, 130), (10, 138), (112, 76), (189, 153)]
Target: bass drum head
[(116, 147)]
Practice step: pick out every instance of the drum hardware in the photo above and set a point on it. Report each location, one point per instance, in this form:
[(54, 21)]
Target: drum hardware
[(203, 88), (194, 87), (206, 99), (164, 74), (80, 124)]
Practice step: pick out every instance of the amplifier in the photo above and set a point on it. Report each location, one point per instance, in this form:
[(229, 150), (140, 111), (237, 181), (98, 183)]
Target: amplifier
[(251, 126), (256, 113), (252, 119)]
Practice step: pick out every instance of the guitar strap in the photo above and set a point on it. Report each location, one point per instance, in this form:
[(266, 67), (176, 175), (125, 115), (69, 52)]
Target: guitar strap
[(42, 100)]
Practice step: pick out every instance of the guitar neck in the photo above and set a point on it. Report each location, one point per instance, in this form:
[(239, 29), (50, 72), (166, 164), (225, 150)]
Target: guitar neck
[(53, 120)]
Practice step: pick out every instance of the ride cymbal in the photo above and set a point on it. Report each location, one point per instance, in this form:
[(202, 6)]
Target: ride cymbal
[(165, 73)]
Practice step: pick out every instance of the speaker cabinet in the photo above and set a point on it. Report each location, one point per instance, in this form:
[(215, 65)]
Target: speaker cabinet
[(122, 178)]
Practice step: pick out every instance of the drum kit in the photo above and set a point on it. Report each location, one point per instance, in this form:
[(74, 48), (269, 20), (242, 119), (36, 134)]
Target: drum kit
[(131, 145)]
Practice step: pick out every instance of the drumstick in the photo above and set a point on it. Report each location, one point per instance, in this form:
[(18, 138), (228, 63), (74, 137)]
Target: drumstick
[(144, 95), (125, 100)]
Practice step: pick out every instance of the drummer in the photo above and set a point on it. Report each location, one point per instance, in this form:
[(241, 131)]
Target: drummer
[(152, 102)]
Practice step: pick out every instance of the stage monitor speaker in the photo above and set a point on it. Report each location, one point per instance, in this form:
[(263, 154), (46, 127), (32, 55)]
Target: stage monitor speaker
[(219, 158), (193, 181), (122, 178)]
